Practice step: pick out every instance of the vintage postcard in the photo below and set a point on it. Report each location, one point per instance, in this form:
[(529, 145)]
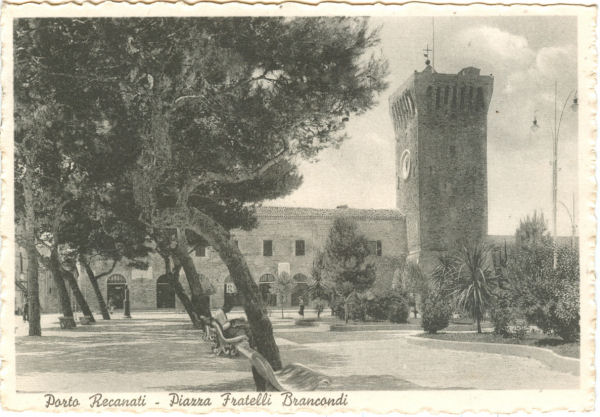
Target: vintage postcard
[(283, 208)]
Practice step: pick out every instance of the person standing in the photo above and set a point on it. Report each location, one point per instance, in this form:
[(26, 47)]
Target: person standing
[(301, 310), (26, 311)]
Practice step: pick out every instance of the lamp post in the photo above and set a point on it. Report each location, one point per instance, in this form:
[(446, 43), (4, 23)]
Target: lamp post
[(572, 218), (555, 136)]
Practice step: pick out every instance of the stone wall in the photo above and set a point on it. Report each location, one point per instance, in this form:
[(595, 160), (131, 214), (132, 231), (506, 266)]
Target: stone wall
[(441, 120), (283, 226)]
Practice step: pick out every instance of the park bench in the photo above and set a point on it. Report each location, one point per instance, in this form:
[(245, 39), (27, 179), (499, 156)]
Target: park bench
[(66, 322), (292, 377)]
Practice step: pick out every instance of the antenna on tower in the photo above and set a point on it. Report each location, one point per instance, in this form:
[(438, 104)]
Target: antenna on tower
[(433, 42), (426, 52)]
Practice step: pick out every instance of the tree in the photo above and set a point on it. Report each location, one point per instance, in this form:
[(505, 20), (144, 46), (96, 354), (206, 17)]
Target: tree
[(220, 114), (345, 261), (282, 288), (319, 290), (532, 231), (548, 297), (474, 281)]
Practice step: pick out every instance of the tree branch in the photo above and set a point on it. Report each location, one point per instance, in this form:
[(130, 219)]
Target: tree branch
[(112, 268)]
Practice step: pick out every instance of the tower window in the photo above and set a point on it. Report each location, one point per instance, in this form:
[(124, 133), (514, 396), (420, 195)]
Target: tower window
[(300, 248), (454, 98), (462, 97), (479, 98), (267, 248), (429, 97), (438, 99), (470, 104), (446, 95)]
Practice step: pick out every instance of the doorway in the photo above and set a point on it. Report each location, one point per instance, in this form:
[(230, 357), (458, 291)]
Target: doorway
[(115, 290), (165, 294)]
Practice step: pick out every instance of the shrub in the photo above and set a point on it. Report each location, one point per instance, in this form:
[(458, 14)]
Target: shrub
[(502, 314), (377, 308), (338, 308), (548, 296), (519, 330), (398, 309), (435, 313)]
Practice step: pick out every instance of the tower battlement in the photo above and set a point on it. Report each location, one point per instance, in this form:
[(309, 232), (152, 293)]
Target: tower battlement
[(466, 94), (440, 124)]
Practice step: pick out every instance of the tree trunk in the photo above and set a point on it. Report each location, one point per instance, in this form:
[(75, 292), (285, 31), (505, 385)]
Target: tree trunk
[(81, 301), (180, 292), (63, 295), (96, 287), (33, 289), (200, 301), (260, 326), (478, 324)]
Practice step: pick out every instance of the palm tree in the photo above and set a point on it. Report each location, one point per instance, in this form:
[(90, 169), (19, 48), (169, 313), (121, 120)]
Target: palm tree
[(474, 280)]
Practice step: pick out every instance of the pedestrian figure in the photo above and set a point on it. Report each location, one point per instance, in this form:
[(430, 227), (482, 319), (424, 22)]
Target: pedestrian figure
[(301, 311), (111, 305), (26, 312)]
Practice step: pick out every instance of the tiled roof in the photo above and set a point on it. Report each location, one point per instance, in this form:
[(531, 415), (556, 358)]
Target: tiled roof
[(305, 212)]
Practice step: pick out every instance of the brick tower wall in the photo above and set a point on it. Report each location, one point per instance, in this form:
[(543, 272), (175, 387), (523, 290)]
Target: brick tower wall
[(445, 197)]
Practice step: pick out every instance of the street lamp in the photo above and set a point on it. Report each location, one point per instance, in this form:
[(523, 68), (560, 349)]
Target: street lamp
[(572, 218), (555, 135)]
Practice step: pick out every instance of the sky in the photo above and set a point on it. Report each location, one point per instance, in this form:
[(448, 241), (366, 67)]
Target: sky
[(526, 56)]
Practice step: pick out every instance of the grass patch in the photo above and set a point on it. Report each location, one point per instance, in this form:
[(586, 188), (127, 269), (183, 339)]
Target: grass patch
[(557, 345)]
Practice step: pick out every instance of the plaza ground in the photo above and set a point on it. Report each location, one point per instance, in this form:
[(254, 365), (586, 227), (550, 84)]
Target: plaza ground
[(162, 352)]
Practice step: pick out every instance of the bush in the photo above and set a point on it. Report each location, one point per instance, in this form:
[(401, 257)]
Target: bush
[(548, 296), (435, 313), (377, 308), (338, 308), (502, 314), (398, 310)]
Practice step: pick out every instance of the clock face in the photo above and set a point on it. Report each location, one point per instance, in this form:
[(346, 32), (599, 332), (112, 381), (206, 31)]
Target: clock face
[(405, 164)]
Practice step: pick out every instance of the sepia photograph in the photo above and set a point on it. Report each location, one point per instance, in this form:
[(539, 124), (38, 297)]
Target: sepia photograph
[(250, 204)]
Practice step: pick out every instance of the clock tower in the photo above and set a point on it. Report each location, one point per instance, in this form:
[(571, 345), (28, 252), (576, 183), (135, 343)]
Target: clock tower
[(440, 124)]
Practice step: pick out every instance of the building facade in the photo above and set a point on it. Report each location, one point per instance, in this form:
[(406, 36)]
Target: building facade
[(286, 239)]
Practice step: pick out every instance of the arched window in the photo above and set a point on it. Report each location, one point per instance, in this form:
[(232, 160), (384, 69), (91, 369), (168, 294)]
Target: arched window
[(116, 279), (115, 290), (300, 289), (438, 97), (264, 286), (267, 278)]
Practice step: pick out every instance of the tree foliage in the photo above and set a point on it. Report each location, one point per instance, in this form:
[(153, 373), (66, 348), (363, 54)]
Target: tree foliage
[(472, 279), (345, 258), (198, 119)]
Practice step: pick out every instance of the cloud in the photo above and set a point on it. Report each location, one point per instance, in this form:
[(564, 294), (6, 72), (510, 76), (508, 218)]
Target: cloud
[(496, 45)]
